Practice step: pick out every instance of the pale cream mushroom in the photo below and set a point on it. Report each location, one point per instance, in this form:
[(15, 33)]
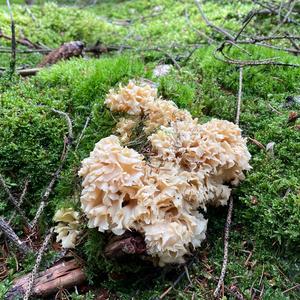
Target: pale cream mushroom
[(67, 227), (187, 168)]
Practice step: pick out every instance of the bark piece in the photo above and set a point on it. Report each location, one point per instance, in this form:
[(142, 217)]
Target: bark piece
[(66, 274), (66, 51)]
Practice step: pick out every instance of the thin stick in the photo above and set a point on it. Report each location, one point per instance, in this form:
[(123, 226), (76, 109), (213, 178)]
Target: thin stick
[(210, 24), (37, 265), (285, 17), (225, 258), (246, 22), (23, 192), (67, 145), (12, 236), (259, 62), (19, 202), (13, 40), (179, 278), (292, 288), (69, 122), (14, 201), (239, 101), (21, 199), (87, 121), (200, 33)]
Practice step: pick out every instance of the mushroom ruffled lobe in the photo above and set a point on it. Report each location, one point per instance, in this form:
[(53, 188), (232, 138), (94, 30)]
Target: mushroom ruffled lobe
[(112, 176), (67, 227), (124, 128), (131, 98)]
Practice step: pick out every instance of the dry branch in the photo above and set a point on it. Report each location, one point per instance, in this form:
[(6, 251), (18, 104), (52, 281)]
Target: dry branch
[(86, 124), (179, 278), (12, 236), (65, 274), (260, 62), (238, 110), (14, 201), (226, 242), (199, 32), (210, 24), (22, 41), (21, 199), (37, 265), (13, 40), (67, 145)]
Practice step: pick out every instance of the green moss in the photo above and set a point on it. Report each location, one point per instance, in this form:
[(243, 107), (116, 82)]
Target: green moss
[(32, 136)]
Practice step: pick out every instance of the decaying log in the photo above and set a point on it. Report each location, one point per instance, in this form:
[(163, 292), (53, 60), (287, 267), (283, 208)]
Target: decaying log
[(128, 243), (66, 51), (63, 275)]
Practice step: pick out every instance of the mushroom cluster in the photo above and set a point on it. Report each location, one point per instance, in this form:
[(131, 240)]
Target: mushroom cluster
[(159, 193)]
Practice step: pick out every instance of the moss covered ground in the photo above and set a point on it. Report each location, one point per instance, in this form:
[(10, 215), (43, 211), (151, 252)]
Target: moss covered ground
[(264, 259)]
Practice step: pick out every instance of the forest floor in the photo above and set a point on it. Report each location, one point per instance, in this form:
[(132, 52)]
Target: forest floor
[(264, 253)]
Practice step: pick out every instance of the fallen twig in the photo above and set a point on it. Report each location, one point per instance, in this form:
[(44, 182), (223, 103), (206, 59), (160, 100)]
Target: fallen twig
[(292, 4), (67, 145), (37, 265), (24, 42), (13, 40), (19, 202), (86, 124), (123, 245), (257, 143), (226, 241), (199, 32), (210, 24), (179, 278), (12, 236), (297, 286), (260, 62), (21, 199), (28, 72), (65, 51), (14, 201), (239, 101), (25, 51)]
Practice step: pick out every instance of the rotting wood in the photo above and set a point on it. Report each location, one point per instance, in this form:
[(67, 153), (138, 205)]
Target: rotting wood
[(66, 274), (128, 243)]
